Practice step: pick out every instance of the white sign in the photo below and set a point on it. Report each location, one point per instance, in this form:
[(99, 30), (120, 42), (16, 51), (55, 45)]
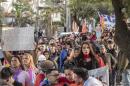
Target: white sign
[(16, 39), (7, 6), (102, 74), (56, 17), (42, 3)]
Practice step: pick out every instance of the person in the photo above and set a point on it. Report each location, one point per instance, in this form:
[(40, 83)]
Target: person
[(18, 74), (73, 58), (41, 75), (63, 57), (51, 74), (7, 78), (69, 73), (98, 32), (108, 57), (93, 36), (53, 54), (111, 62), (28, 66), (46, 53), (87, 57), (81, 77), (123, 69), (40, 60), (111, 48)]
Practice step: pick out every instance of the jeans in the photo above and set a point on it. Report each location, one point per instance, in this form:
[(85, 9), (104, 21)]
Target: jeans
[(112, 77), (126, 77)]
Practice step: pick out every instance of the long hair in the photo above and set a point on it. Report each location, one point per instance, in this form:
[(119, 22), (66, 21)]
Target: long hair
[(16, 56), (31, 63), (91, 54)]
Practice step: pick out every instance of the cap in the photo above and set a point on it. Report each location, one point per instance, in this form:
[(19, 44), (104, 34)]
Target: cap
[(102, 46), (41, 58)]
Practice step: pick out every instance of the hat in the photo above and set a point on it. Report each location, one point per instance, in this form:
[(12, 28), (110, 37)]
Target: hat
[(41, 58), (102, 46)]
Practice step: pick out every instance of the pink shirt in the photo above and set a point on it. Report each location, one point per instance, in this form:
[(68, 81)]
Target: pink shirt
[(23, 77)]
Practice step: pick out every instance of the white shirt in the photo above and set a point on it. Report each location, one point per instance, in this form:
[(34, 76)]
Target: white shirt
[(91, 81)]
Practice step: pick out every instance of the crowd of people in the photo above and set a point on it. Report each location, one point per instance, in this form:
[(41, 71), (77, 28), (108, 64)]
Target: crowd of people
[(62, 61)]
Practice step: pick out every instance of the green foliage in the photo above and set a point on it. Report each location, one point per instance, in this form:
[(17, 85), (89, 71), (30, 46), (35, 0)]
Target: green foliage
[(46, 13), (127, 5), (1, 14), (20, 7), (87, 8)]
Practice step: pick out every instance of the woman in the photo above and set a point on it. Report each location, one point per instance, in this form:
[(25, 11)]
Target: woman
[(46, 53), (87, 58), (93, 36), (19, 75), (29, 66), (98, 31)]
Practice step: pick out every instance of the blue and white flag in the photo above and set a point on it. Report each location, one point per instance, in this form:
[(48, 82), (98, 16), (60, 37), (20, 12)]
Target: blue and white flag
[(109, 20)]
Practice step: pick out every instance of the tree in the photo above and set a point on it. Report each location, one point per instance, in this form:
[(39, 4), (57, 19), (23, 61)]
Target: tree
[(122, 33), (122, 13), (81, 9), (45, 17), (23, 12)]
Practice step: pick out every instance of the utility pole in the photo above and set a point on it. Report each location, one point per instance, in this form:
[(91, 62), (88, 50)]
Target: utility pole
[(36, 2), (68, 17), (0, 22)]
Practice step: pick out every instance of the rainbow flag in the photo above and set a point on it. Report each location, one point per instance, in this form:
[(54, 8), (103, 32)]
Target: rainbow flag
[(102, 23), (75, 27)]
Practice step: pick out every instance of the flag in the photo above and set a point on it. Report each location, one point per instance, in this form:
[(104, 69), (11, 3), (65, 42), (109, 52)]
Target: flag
[(102, 23), (75, 27), (107, 20), (84, 26)]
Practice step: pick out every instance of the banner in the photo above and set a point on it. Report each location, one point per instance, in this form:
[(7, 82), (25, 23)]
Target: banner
[(17, 39), (102, 74)]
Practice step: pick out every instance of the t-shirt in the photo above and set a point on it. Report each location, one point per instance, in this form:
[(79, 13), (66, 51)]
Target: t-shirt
[(91, 81), (23, 78), (39, 78)]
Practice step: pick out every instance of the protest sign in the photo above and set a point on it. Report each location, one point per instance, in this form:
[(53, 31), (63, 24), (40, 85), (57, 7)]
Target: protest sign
[(102, 74), (17, 39)]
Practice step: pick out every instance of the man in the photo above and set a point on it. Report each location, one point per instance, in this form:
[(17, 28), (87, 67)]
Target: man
[(63, 56), (69, 74), (81, 77), (51, 74), (111, 61), (111, 48), (40, 74), (7, 78), (108, 57)]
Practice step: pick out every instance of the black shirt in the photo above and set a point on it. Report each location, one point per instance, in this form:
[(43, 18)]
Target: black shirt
[(17, 83)]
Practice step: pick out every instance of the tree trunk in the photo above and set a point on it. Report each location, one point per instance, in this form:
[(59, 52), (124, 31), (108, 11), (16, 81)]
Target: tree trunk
[(77, 21), (128, 8), (122, 34)]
